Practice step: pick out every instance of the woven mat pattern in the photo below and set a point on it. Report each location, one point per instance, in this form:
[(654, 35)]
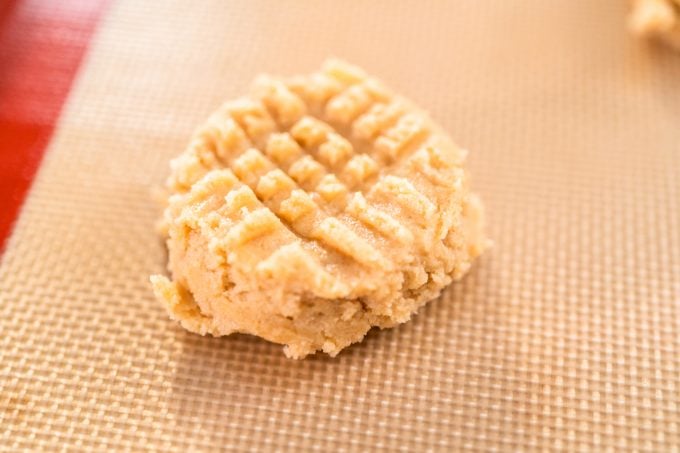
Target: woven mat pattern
[(565, 336)]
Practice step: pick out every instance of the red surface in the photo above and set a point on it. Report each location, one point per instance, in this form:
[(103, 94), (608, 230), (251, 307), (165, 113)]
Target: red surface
[(42, 43)]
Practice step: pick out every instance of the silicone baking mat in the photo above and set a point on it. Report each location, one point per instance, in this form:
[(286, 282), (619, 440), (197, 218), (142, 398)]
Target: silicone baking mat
[(565, 336)]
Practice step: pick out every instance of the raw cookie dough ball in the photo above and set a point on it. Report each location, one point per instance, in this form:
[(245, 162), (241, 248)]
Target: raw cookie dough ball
[(316, 208)]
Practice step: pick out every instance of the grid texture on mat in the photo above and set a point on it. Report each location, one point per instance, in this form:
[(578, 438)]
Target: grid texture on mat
[(566, 335)]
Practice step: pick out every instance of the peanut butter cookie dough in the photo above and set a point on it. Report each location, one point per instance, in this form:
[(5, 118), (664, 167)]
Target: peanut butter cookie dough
[(314, 209), (658, 19)]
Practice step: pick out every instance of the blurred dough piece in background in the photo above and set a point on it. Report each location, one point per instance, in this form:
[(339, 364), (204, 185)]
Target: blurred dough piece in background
[(657, 19)]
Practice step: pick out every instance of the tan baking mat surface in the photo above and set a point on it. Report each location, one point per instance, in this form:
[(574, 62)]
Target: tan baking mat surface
[(565, 336)]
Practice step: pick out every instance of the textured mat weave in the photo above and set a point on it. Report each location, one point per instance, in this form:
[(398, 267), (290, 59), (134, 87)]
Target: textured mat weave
[(565, 336)]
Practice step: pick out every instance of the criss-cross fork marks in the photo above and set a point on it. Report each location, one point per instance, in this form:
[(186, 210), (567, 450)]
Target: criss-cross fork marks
[(291, 170)]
